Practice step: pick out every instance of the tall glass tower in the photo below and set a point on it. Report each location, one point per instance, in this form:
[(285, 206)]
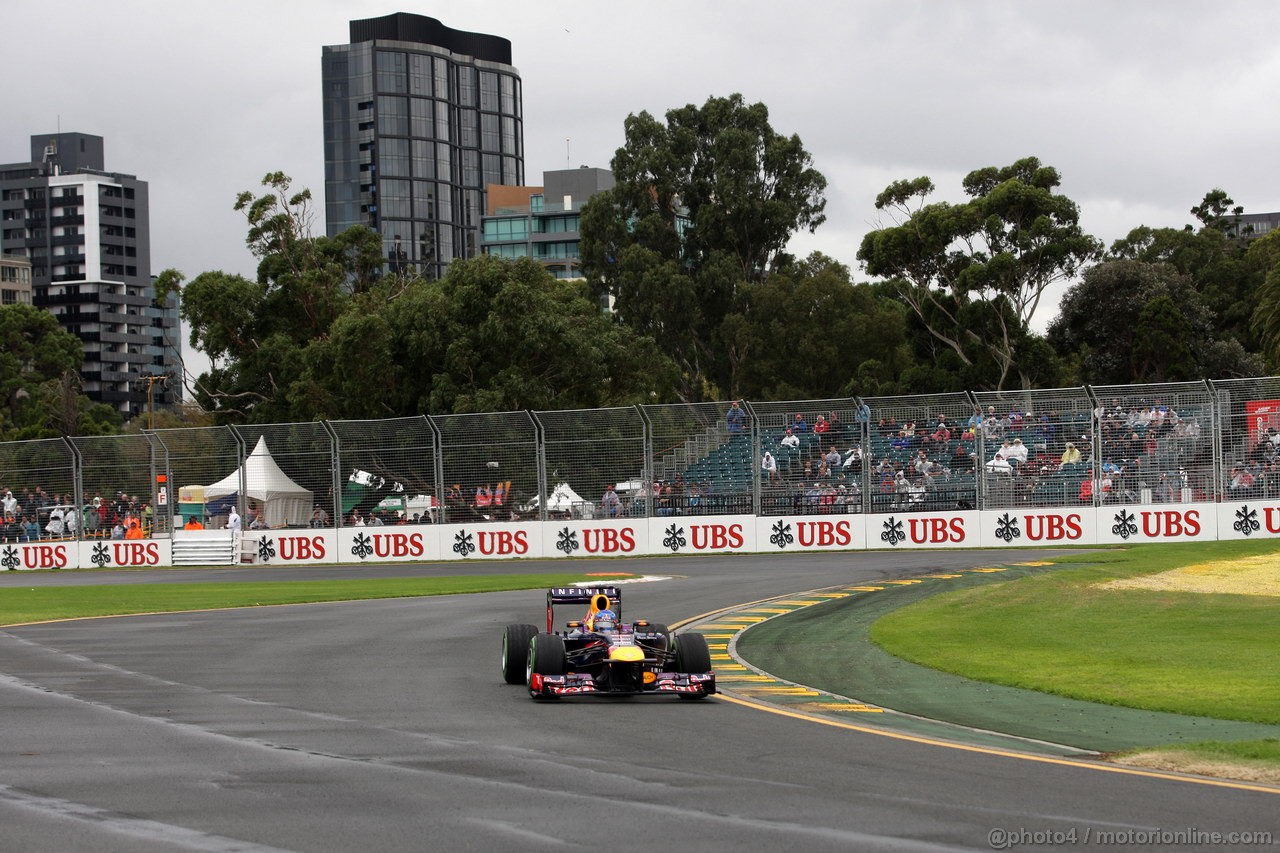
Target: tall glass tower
[(418, 120)]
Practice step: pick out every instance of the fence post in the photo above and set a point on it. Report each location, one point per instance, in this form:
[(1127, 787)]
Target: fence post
[(437, 450), (651, 502), (336, 473), (1218, 426), (77, 486), (160, 511), (1095, 454), (242, 502), (540, 462)]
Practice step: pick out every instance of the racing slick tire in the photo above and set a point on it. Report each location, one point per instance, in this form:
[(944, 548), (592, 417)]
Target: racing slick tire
[(546, 657), (515, 652), (692, 655)]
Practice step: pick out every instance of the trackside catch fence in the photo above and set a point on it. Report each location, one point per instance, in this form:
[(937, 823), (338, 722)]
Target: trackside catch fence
[(1085, 447)]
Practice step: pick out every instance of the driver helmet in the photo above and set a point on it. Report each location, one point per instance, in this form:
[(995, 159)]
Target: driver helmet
[(605, 621)]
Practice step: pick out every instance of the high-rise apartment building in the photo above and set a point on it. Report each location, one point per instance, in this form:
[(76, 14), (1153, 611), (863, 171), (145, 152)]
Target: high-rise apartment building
[(543, 222), (418, 120), (85, 232)]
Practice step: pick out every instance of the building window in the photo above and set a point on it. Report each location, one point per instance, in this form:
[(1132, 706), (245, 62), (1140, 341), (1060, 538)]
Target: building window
[(420, 118), (489, 99), (393, 158), (423, 158), (391, 72), (508, 94), (489, 137), (419, 74), (393, 198), (492, 169), (467, 86), (393, 116), (442, 79), (515, 228)]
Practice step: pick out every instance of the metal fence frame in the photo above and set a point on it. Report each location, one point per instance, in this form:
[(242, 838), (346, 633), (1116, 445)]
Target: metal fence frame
[(1213, 437)]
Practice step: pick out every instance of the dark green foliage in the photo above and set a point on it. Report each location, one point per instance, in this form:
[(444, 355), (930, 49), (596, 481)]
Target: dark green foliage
[(703, 208), (972, 274)]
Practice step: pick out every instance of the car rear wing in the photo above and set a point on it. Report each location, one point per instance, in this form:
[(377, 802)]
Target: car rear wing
[(580, 595)]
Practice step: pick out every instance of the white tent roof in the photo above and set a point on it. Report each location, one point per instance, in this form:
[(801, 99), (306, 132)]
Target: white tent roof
[(562, 499), (284, 500)]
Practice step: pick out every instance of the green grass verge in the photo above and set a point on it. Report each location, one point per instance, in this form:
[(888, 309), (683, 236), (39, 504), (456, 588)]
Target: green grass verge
[(1056, 632), (1266, 750), (38, 604)]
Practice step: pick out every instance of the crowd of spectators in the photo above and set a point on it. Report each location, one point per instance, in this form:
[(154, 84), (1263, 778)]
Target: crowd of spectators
[(34, 515)]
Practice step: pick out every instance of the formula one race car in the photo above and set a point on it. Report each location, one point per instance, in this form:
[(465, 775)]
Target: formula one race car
[(604, 655)]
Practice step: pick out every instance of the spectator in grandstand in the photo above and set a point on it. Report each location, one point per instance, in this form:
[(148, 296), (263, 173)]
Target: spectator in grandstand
[(961, 460), (117, 530), (791, 441), (319, 518), (354, 520), (940, 438), (735, 418), (55, 527), (901, 490), (837, 430), (1164, 493), (821, 426), (1016, 452), (863, 414), (233, 521), (260, 522), (769, 467), (610, 503), (992, 428), (853, 460), (999, 465), (10, 503), (1071, 454), (833, 459), (799, 425), (975, 420), (1241, 479), (901, 441)]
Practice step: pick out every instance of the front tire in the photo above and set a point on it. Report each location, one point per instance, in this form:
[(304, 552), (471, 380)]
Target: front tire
[(515, 652), (546, 657), (692, 656)]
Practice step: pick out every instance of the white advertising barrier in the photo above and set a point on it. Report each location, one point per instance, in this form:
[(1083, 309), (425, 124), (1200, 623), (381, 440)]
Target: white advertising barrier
[(125, 553), (289, 547), (812, 533), (1190, 522), (702, 534), (482, 541), (30, 556), (1038, 526), (1249, 519), (599, 538), (924, 530)]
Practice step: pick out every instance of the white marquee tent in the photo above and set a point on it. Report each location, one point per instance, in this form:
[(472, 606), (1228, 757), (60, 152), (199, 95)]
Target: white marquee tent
[(563, 499), (281, 499)]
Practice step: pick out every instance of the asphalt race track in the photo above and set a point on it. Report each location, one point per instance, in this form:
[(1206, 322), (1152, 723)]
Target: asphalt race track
[(385, 725)]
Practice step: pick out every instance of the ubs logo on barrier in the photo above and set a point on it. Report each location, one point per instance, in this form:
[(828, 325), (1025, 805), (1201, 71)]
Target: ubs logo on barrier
[(503, 542), (266, 550), (310, 548), (1007, 528), (1170, 523), (716, 536), (567, 541), (126, 554), (1053, 527), (674, 538), (609, 540), (463, 544), (1124, 526), (823, 534), (35, 557), (893, 533), (781, 535), (1246, 521)]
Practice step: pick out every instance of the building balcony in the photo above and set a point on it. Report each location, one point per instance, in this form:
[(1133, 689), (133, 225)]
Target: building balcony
[(74, 219)]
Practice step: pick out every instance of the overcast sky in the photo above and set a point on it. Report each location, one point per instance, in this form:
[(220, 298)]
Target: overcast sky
[(1141, 106)]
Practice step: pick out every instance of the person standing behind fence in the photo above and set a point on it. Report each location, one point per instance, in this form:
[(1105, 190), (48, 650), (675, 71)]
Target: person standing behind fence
[(769, 466), (233, 522), (610, 503), (735, 418)]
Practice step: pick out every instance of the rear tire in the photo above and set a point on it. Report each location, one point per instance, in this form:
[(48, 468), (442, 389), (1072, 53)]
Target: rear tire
[(515, 652), (546, 657), (692, 655)]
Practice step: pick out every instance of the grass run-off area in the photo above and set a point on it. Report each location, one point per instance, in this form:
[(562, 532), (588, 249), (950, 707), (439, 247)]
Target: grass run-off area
[(19, 605), (1204, 654)]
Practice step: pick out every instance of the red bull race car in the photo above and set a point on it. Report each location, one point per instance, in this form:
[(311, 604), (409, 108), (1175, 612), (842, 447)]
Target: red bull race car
[(602, 654)]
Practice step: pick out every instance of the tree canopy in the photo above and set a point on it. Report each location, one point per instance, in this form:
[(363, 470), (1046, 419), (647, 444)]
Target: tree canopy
[(40, 392), (973, 273), (703, 208)]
